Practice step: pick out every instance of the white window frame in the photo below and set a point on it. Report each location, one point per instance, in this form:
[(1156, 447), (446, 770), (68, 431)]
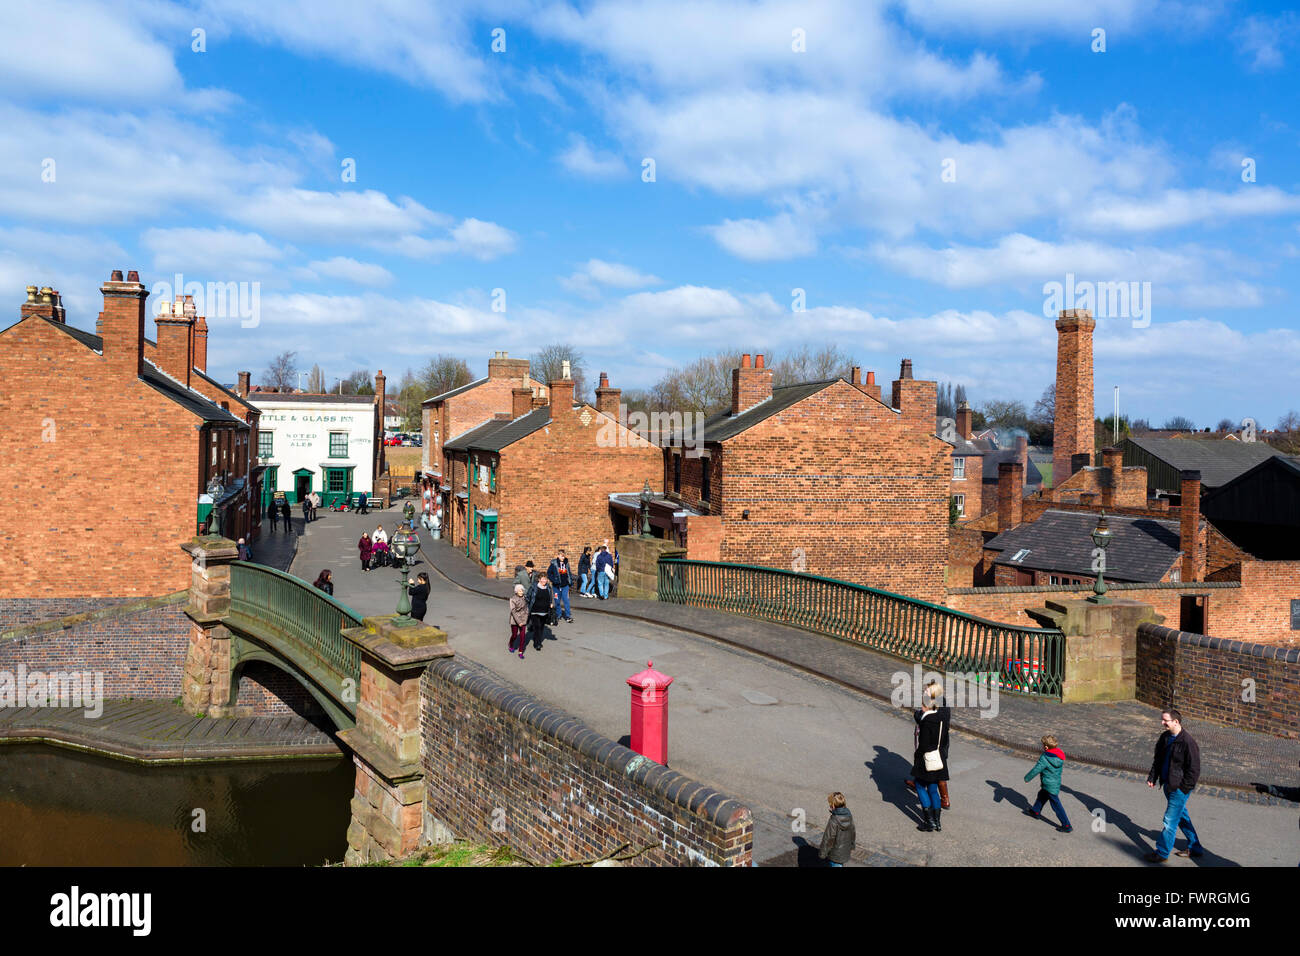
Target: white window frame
[(961, 504), (959, 469)]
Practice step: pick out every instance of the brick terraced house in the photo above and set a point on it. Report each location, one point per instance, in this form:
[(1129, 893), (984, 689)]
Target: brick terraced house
[(533, 479), (822, 477), (455, 412), (106, 452)]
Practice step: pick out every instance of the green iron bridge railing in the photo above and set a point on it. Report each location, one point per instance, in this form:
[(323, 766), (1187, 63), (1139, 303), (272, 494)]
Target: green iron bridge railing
[(1022, 660), (302, 625)]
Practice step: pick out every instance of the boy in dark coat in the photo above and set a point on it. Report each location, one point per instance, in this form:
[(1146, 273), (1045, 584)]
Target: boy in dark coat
[(840, 834), (1049, 765)]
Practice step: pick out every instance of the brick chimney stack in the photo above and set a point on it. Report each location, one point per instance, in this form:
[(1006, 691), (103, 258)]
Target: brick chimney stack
[(1189, 524), (242, 388), (1075, 410), (1022, 453), (46, 303), (200, 337), (521, 402), (561, 392), (1011, 494), (608, 399), (750, 384), (1112, 462), (918, 402), (175, 341), (964, 417), (122, 322), (501, 365)]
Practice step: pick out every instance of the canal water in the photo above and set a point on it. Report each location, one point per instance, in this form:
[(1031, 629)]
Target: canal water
[(60, 807)]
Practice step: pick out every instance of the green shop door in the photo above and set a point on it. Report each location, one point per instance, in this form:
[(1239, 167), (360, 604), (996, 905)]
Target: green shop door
[(301, 484), (487, 538), (268, 487), (338, 486)]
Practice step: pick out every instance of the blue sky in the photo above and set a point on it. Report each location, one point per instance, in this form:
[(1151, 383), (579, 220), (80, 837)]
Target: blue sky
[(920, 169)]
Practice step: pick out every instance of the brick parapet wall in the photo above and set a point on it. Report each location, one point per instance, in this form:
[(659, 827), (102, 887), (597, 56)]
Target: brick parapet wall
[(17, 612), (1206, 677), (557, 789), (139, 646)]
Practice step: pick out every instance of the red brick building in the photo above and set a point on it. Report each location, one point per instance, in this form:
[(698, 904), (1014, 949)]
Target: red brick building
[(107, 453), (822, 477), (533, 479), (1073, 433), (457, 411)]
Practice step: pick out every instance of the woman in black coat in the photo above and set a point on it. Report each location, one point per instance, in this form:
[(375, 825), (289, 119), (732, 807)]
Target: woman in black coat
[(419, 596), (325, 581), (932, 727)]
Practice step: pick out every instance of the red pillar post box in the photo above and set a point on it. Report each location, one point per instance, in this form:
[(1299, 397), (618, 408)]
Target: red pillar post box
[(650, 713)]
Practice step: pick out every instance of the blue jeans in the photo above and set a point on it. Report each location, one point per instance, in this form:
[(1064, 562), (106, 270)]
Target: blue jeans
[(1176, 818), (1055, 799), (562, 595), (833, 863), (602, 583), (582, 585), (928, 794)]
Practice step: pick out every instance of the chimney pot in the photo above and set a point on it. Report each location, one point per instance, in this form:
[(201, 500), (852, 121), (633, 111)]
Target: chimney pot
[(871, 378), (115, 276), (905, 371), (133, 276), (744, 360), (758, 360), (855, 376)]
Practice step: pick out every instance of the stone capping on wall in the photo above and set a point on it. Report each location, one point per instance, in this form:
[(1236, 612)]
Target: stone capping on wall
[(1287, 655), (1087, 588), (716, 807), (87, 617)]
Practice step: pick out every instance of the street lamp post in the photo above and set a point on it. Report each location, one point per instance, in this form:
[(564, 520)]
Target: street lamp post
[(1101, 537), (405, 545), (646, 496)]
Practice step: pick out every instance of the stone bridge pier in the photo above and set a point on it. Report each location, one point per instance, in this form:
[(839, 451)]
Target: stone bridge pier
[(206, 682), (388, 801)]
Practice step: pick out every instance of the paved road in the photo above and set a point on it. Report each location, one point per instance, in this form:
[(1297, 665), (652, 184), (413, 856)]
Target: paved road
[(780, 740)]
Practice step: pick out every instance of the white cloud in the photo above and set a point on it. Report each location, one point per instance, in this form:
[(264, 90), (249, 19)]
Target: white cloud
[(1263, 40), (1181, 207), (758, 240), (596, 272), (581, 159), (472, 237), (350, 270), (217, 254), (310, 213)]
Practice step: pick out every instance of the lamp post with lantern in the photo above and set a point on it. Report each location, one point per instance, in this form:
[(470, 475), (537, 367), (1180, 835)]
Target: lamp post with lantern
[(1101, 538), (405, 545)]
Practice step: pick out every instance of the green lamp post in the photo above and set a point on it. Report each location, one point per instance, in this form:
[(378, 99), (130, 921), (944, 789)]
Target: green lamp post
[(1101, 537), (405, 546), (646, 497)]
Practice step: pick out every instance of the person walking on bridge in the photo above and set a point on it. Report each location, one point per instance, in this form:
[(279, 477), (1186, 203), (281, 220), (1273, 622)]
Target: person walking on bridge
[(541, 602), (1177, 768), (930, 760)]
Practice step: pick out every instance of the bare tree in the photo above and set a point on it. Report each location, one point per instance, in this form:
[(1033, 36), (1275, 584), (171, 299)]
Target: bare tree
[(1179, 423), (805, 364), (442, 373), (547, 364), (1225, 425), (316, 380), (1289, 422), (1005, 414), (358, 383), (410, 393), (282, 373)]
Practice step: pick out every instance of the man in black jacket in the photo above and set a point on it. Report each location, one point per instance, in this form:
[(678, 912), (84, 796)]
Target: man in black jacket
[(1177, 768)]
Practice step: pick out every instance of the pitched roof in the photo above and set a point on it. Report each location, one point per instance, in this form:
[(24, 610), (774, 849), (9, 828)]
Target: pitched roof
[(455, 391), (270, 398), (1218, 461), (1033, 477), (724, 425), (462, 441), (1141, 549), (191, 400), (509, 432)]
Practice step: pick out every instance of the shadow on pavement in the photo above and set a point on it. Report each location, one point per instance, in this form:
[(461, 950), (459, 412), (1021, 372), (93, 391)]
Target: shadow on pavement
[(888, 771)]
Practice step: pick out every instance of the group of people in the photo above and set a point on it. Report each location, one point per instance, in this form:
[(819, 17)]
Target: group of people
[(279, 511), (597, 572), (1176, 768)]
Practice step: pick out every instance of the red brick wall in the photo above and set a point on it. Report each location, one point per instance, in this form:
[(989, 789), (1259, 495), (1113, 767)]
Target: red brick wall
[(458, 414), (972, 487), (115, 441), (966, 558), (1130, 492), (862, 492), (1204, 678), (555, 789), (704, 538), (553, 486)]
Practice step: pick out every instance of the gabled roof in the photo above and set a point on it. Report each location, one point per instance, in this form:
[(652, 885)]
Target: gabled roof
[(462, 441), (995, 457), (509, 432), (455, 391), (270, 398), (1218, 461), (191, 400), (1141, 549), (724, 425)]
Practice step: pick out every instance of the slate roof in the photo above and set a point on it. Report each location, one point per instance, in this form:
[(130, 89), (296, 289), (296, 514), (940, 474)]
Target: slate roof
[(1217, 460), (256, 398), (494, 435), (724, 425), (455, 391), (189, 399), (1033, 477), (1142, 549)]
